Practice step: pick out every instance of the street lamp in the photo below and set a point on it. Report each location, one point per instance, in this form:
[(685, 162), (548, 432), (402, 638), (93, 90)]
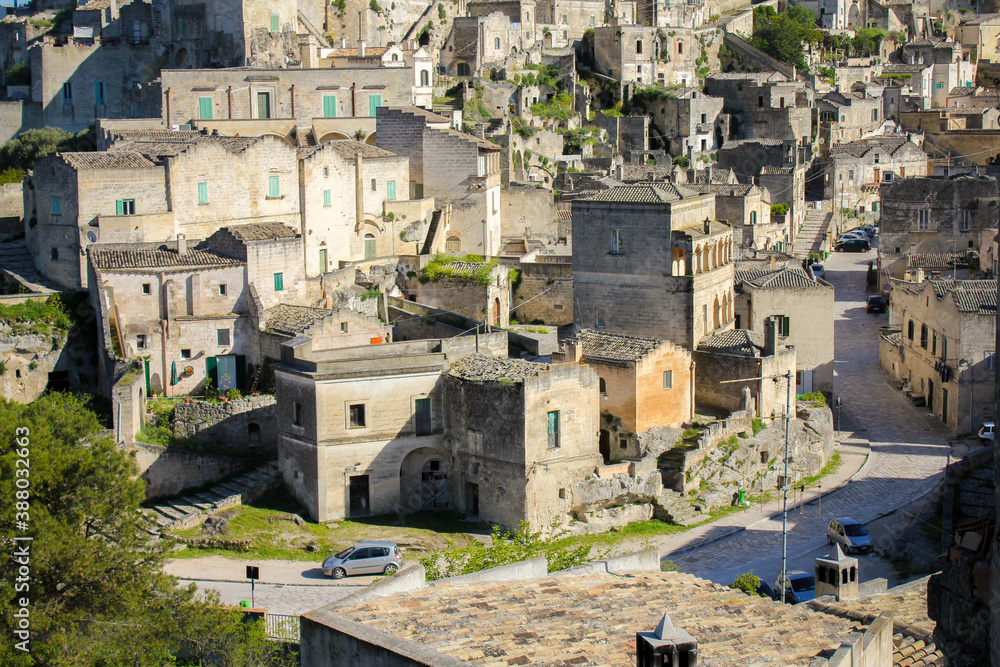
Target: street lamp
[(838, 404)]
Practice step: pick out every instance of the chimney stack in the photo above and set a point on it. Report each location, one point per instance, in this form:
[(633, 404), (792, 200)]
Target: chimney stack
[(708, 226), (770, 337), (361, 48), (666, 645), (837, 575), (920, 275), (343, 42), (182, 244)]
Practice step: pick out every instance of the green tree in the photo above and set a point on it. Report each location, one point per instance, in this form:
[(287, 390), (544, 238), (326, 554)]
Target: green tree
[(97, 594), (748, 582), (783, 36), (27, 148)]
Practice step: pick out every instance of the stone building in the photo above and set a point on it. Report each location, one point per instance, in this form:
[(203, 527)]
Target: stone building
[(643, 383), (950, 67), (765, 105), (980, 37), (483, 40), (665, 14), (453, 168), (944, 348), (778, 166), (934, 215), (747, 209), (856, 170), (479, 291), (689, 122), (802, 307), (739, 353), (646, 55), (432, 423), (848, 116), (652, 260), (568, 20)]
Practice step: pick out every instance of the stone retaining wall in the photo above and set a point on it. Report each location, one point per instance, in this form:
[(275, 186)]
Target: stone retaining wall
[(246, 424), (169, 471)]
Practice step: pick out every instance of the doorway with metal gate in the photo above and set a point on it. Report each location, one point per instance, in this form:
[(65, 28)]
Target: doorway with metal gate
[(358, 494)]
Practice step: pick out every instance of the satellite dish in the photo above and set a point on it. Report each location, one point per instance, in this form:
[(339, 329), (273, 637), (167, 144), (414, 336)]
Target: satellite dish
[(996, 82)]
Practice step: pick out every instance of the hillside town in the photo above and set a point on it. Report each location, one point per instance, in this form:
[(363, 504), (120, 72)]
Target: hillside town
[(494, 332)]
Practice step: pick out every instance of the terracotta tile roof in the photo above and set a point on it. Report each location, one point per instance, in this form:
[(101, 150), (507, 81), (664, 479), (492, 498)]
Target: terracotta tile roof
[(743, 76), (774, 171), (645, 172), (293, 320), (262, 231), (174, 143), (641, 193), (349, 149), (933, 260), (784, 277), (480, 368), (352, 52), (107, 160), (731, 144), (122, 259), (601, 346), (736, 341), (564, 214), (859, 148), (591, 619), (903, 68)]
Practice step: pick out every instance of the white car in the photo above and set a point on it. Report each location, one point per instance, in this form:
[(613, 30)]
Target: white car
[(986, 432)]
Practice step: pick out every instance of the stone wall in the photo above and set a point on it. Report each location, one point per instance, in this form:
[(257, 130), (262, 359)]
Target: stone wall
[(530, 212), (168, 471), (11, 210), (549, 286), (245, 425), (128, 406)]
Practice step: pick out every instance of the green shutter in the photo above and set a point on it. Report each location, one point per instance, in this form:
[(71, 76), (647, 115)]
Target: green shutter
[(274, 187), (327, 198), (202, 192), (56, 206), (329, 106), (275, 23), (241, 371), (205, 108), (391, 190), (279, 282), (120, 207), (211, 370), (374, 102), (98, 92)]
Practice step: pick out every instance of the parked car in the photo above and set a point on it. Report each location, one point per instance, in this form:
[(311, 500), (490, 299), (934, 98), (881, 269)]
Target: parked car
[(867, 230), (875, 304), (799, 587), (817, 270), (986, 432), (853, 236), (853, 245), (851, 535), (364, 558)]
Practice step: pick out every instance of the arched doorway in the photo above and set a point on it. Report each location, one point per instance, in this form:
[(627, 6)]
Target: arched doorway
[(253, 434), (181, 59), (423, 480), (333, 136), (462, 69), (604, 445), (496, 312), (434, 485), (371, 139), (371, 246)]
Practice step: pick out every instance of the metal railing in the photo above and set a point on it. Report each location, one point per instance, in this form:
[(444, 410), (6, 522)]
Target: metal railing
[(281, 626)]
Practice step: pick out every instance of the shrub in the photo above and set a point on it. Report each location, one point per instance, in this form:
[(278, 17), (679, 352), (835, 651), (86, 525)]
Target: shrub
[(757, 425), (748, 582), (373, 5), (19, 74), (817, 398), (441, 13), (779, 209)]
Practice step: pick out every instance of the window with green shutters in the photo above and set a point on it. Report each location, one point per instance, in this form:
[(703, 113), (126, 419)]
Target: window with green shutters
[(279, 282), (391, 190), (329, 106), (374, 102), (274, 187), (553, 429), (125, 207), (56, 206), (327, 198), (202, 192), (275, 23), (98, 92), (205, 108)]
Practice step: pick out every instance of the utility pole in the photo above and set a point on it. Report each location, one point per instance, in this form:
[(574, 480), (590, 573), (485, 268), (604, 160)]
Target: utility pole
[(784, 510)]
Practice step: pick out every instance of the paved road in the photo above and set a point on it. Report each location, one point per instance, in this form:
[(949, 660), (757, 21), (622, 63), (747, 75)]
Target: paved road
[(908, 450)]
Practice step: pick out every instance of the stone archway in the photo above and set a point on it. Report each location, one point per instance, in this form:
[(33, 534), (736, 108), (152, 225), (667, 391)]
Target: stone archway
[(423, 480)]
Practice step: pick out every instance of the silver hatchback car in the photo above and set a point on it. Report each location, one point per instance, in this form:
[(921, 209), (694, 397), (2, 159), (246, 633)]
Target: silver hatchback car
[(364, 558), (850, 534)]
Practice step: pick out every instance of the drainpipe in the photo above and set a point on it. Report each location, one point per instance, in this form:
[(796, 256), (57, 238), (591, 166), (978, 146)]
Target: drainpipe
[(164, 323), (691, 416), (168, 109), (229, 101), (293, 100), (359, 192), (354, 101)]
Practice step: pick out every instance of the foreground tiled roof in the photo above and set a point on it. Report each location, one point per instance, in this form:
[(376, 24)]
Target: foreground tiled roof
[(352, 51), (480, 368), (160, 144), (774, 171), (262, 231), (121, 259), (858, 148), (107, 160), (933, 260), (785, 277), (591, 619), (736, 341), (732, 144), (643, 193), (616, 348), (293, 320)]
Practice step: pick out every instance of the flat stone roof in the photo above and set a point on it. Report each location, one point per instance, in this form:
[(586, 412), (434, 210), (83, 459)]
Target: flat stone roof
[(480, 368), (591, 619)]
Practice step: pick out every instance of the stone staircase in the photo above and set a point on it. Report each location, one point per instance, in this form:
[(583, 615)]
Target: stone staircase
[(191, 510), (16, 261), (674, 507), (812, 237)]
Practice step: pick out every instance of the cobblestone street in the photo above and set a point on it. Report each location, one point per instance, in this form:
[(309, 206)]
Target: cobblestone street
[(909, 450)]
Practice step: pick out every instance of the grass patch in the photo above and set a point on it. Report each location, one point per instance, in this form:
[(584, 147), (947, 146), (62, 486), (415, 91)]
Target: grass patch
[(831, 467), (36, 316), (442, 266), (757, 425), (816, 398), (164, 436)]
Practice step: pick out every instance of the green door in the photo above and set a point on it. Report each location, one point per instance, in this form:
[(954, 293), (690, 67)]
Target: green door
[(329, 106), (145, 368), (370, 248), (374, 102), (205, 108), (322, 261), (263, 105)]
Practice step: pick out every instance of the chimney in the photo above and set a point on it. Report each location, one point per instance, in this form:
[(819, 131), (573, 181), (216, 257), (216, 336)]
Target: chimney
[(113, 10), (773, 260), (708, 226), (770, 337), (666, 645), (361, 48), (837, 575), (920, 275), (343, 42), (182, 244)]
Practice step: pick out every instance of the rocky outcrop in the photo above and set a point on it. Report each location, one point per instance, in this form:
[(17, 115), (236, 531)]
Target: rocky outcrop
[(595, 493)]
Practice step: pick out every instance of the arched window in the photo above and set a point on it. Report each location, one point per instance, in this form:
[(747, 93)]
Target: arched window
[(371, 247), (603, 385)]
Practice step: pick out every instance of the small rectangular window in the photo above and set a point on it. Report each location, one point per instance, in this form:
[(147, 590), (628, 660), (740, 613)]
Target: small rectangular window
[(185, 353), (274, 187), (562, 493), (357, 415), (990, 359), (923, 219), (617, 247), (622, 443), (125, 207), (553, 429), (668, 379), (279, 282), (784, 325), (374, 185), (327, 199), (98, 92), (343, 327), (297, 414), (205, 106), (202, 192), (599, 319), (923, 335), (56, 203), (147, 288), (67, 91), (222, 289), (222, 335), (140, 341)]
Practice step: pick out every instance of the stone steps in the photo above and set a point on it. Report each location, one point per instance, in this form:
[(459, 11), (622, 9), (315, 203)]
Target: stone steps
[(675, 508), (16, 259)]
